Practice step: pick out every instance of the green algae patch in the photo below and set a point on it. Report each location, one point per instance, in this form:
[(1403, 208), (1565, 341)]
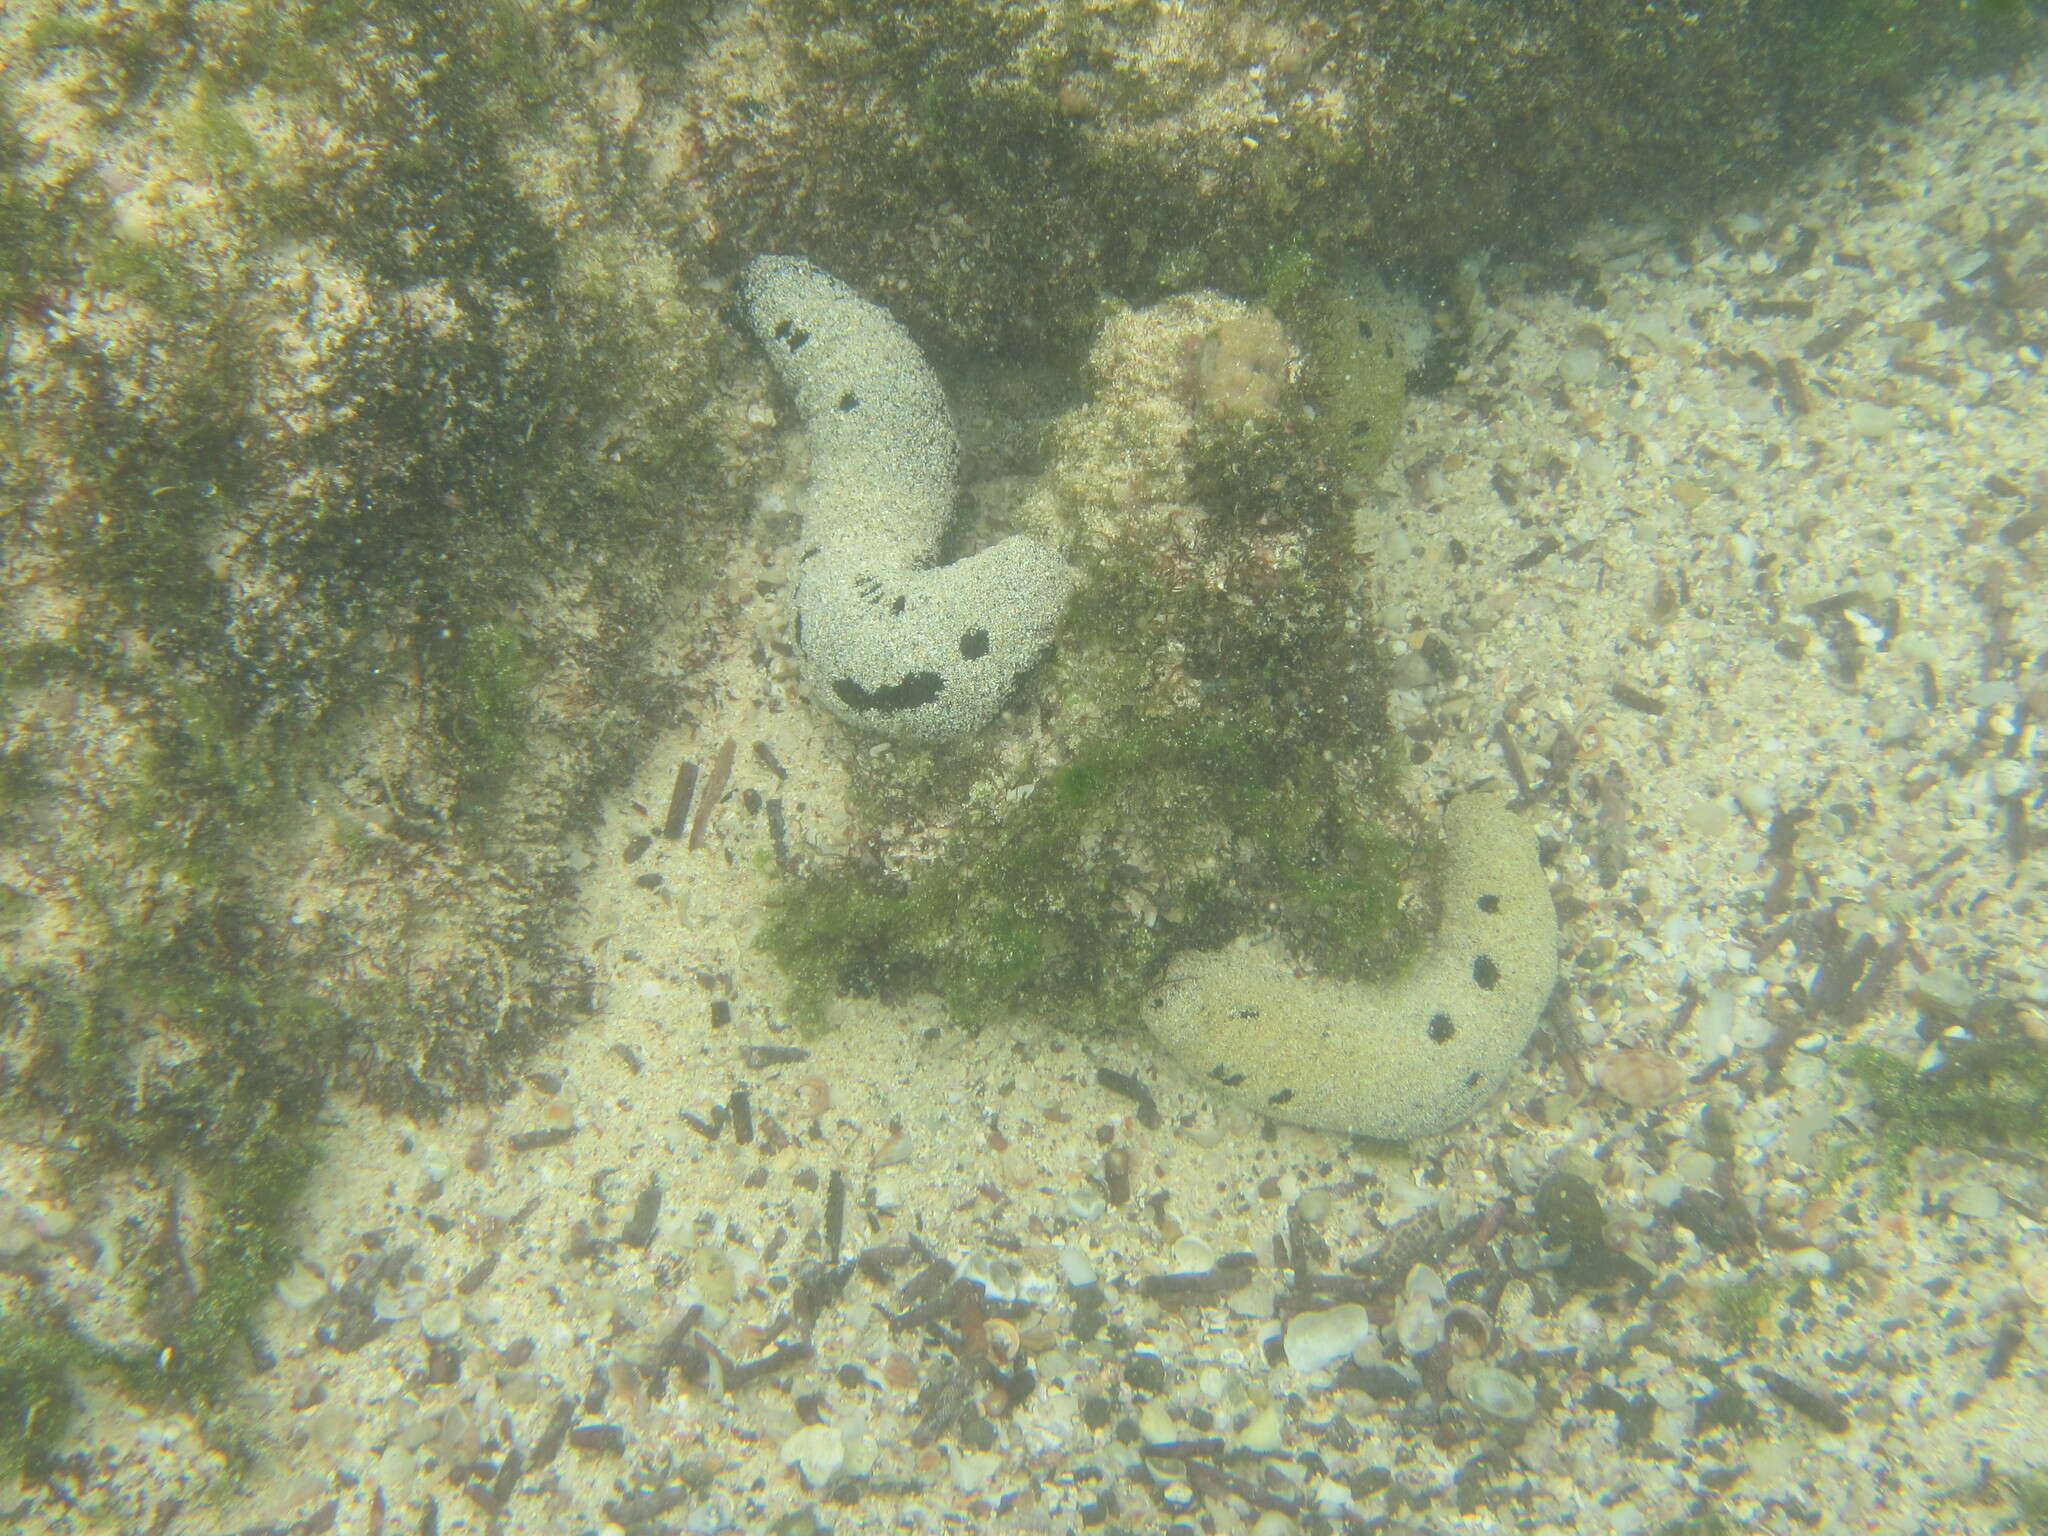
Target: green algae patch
[(1206, 751), (491, 704), (39, 1359), (1743, 1307), (347, 404), (1990, 1087), (1045, 908)]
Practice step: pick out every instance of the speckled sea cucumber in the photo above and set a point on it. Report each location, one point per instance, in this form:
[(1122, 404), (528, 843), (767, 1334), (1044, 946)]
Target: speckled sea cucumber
[(886, 639), (1407, 1057)]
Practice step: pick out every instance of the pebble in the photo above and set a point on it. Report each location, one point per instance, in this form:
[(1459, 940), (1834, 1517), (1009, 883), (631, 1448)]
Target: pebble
[(17, 1237), (1979, 1202), (1663, 1189), (1808, 1261), (1758, 801), (1579, 365), (1156, 1425), (1949, 988), (1254, 1300), (1418, 1323), (1418, 1318), (441, 1319), (894, 1152), (1709, 818), (973, 1469), (817, 1451), (1261, 1432), (1077, 1269), (1087, 1204), (1314, 1340), (2034, 1281), (397, 1306), (1805, 1071), (2010, 777), (1515, 1314), (1191, 1256)]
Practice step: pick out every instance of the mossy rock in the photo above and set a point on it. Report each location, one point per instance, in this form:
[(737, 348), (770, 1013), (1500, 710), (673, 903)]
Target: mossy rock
[(349, 398), (1212, 146)]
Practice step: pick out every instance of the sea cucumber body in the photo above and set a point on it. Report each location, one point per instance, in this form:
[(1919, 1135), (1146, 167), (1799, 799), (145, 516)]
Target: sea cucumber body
[(886, 639), (1406, 1057)]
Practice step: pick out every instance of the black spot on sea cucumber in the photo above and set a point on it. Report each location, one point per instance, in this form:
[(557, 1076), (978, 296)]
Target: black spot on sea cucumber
[(1441, 1028), (1285, 1095), (974, 644), (849, 401), (783, 328), (1485, 972), (1244, 1013), (1489, 904), (916, 688), (1471, 1079), (897, 606), (1225, 1076), (796, 338)]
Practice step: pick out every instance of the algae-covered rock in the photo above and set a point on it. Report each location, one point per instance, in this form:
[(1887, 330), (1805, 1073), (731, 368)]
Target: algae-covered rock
[(347, 402), (1190, 817), (987, 168)]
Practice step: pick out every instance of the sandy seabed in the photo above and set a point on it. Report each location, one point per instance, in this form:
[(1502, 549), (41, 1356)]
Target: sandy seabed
[(1727, 550)]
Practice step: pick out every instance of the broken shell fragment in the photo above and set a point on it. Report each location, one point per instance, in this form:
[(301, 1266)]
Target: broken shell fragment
[(1493, 1393), (1640, 1078), (1314, 1340)]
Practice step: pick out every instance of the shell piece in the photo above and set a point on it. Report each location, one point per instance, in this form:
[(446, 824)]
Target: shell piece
[(887, 640), (301, 1286), (1640, 1078), (1313, 1340), (1493, 1393), (817, 1451), (441, 1319), (1406, 1057)]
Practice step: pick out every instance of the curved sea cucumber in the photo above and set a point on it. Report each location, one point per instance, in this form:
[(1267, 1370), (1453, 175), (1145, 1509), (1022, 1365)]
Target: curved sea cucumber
[(1405, 1057), (887, 640)]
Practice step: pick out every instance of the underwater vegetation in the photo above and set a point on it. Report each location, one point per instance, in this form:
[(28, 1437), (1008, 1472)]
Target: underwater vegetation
[(1205, 144), (355, 437), (1988, 1087)]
